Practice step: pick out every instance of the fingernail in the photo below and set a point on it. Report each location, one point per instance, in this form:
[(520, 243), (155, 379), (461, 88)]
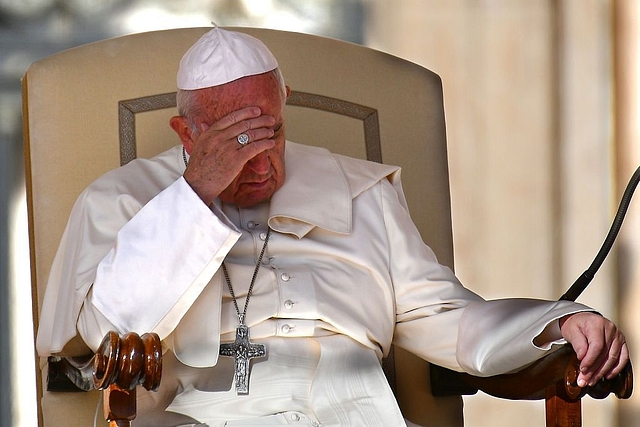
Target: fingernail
[(582, 383)]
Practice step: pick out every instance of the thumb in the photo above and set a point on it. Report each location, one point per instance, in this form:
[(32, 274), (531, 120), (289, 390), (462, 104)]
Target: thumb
[(572, 332)]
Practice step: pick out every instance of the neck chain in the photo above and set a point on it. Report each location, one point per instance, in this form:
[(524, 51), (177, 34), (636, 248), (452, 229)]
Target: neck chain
[(241, 316), (242, 349), (184, 157)]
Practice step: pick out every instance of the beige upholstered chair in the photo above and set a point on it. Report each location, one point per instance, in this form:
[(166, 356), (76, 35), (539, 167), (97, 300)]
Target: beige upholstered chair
[(90, 109)]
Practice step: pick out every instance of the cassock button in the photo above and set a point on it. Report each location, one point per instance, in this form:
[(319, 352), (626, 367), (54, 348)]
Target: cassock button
[(263, 236), (285, 277), (286, 329), (251, 225), (288, 304), (295, 417)]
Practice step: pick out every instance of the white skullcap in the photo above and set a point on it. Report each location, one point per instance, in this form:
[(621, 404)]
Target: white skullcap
[(222, 56)]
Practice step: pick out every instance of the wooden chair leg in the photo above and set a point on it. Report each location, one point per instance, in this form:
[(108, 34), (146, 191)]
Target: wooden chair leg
[(562, 412), (119, 406), (122, 364)]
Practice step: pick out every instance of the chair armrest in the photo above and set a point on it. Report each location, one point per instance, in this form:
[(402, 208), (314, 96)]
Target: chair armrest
[(559, 368), (117, 367), (127, 362)]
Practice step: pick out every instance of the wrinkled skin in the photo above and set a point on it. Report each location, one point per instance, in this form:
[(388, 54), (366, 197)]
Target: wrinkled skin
[(600, 346), (218, 165)]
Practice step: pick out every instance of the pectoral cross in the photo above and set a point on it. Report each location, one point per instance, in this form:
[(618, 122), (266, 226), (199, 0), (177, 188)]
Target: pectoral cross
[(242, 351)]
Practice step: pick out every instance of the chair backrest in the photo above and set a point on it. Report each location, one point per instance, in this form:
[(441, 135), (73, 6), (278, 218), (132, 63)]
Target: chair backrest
[(90, 109)]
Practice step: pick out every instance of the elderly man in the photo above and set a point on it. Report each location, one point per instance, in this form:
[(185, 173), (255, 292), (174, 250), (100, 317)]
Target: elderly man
[(297, 266)]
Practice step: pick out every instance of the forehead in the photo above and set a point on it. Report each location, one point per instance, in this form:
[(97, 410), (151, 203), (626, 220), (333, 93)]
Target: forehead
[(263, 91)]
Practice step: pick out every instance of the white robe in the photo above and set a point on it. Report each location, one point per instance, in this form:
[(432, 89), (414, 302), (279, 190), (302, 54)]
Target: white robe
[(346, 274)]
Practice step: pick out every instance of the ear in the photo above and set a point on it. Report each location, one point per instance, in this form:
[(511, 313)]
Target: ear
[(181, 127), (288, 91)]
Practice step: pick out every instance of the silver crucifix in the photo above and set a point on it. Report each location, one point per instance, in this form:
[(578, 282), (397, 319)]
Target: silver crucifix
[(242, 351)]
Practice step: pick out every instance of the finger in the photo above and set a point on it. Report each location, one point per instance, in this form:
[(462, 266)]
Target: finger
[(612, 356), (622, 361), (604, 365), (253, 135), (251, 150), (220, 143), (236, 117), (579, 343), (254, 128), (249, 127), (594, 358)]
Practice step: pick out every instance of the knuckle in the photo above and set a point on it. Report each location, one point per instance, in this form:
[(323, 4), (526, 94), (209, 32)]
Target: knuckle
[(597, 345), (622, 337), (233, 117)]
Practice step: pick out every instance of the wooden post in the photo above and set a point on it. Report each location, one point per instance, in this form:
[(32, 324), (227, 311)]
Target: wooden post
[(119, 406), (562, 411), (122, 364)]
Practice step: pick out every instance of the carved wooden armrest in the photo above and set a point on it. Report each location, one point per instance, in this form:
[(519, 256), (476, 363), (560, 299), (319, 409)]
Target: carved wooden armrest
[(552, 378), (118, 367)]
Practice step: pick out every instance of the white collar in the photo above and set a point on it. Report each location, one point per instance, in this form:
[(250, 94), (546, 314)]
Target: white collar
[(319, 188)]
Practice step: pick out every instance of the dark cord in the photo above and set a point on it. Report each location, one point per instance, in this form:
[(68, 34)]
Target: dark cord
[(583, 281)]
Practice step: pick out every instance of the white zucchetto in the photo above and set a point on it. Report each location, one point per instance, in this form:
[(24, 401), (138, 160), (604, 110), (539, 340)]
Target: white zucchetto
[(222, 56)]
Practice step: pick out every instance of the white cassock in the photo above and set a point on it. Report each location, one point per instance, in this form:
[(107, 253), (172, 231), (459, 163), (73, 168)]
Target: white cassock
[(344, 276)]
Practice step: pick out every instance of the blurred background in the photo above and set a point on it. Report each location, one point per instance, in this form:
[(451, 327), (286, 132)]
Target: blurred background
[(541, 99)]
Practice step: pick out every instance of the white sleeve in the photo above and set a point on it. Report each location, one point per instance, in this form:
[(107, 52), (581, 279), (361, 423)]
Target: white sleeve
[(497, 336), (159, 263), (440, 320)]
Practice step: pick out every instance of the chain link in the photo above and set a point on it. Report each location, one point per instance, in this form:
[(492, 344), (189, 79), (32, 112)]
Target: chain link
[(241, 316)]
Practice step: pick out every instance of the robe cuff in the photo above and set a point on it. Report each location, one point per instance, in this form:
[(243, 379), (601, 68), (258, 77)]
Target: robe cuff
[(161, 261), (508, 328)]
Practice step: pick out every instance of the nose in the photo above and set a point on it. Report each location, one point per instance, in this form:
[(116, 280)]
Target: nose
[(260, 164)]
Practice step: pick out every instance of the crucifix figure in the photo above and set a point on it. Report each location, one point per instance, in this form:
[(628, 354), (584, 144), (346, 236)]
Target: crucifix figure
[(242, 351)]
